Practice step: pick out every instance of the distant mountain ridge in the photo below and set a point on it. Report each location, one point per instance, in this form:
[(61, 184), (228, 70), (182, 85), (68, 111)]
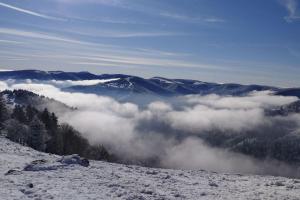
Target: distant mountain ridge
[(54, 75), (121, 85)]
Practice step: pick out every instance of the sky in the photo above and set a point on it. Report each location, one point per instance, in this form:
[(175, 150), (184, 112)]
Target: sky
[(239, 41)]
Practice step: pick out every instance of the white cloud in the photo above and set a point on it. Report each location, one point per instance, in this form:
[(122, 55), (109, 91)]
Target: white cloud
[(191, 19), (142, 6), (37, 35), (291, 6), (194, 154), (255, 100), (118, 34), (159, 106), (201, 118), (79, 52), (128, 34), (3, 86), (132, 133), (110, 20), (214, 20), (103, 33), (147, 61), (11, 42), (32, 13)]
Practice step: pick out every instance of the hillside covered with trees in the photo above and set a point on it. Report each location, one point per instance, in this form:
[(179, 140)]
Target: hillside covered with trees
[(40, 130)]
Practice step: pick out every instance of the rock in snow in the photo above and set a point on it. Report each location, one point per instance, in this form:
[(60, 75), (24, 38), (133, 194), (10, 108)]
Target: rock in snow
[(70, 177), (74, 159), (65, 161)]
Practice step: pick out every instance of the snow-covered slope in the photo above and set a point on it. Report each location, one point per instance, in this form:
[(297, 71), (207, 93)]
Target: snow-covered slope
[(102, 180), (105, 84)]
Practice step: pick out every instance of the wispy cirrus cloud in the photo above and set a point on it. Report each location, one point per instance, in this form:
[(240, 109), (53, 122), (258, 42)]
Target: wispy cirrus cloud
[(214, 20), (143, 61), (37, 35), (109, 20), (139, 34), (191, 19), (114, 33), (107, 2), (138, 6), (11, 42), (102, 33), (29, 12), (292, 7)]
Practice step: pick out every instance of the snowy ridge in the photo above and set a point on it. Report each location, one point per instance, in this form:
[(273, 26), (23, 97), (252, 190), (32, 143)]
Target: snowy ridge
[(68, 83), (164, 80), (103, 180), (159, 86)]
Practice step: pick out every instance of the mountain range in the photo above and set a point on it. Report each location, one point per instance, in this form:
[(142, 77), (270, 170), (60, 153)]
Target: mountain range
[(124, 86)]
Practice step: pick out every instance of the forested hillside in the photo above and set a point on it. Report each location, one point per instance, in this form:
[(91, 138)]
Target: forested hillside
[(23, 123)]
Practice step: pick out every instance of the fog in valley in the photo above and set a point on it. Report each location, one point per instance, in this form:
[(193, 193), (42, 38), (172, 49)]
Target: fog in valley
[(182, 132)]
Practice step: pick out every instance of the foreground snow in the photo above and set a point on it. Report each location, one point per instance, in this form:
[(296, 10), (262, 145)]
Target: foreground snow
[(103, 180)]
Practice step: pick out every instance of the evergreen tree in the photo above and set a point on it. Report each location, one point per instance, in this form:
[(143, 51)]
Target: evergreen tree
[(73, 142), (19, 114), (45, 117), (3, 111), (55, 144), (50, 121), (16, 131), (37, 135), (98, 153), (54, 120), (30, 113)]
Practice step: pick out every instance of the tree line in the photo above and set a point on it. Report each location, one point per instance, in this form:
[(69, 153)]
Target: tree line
[(41, 130)]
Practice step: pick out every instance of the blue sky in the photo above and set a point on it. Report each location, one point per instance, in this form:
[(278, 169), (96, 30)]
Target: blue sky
[(241, 41)]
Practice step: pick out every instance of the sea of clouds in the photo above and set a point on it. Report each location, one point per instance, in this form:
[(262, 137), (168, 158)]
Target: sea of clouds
[(169, 132)]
